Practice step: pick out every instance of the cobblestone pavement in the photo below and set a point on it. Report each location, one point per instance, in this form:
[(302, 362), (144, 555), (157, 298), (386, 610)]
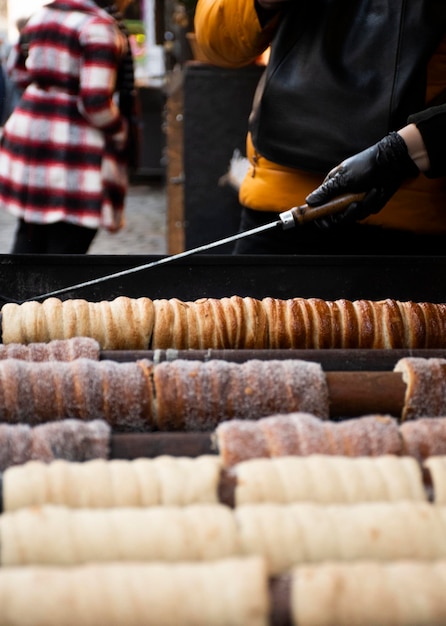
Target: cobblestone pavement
[(145, 231)]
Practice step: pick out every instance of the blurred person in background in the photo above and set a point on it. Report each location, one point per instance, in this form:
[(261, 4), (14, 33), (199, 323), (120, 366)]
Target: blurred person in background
[(363, 79), (64, 148), (12, 92)]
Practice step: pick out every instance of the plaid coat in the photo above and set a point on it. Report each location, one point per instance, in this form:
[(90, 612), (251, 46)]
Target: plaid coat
[(62, 149)]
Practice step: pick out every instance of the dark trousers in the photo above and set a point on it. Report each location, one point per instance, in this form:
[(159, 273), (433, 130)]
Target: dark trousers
[(344, 239), (57, 238)]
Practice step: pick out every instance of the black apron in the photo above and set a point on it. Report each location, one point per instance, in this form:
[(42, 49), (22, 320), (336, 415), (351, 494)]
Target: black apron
[(341, 75)]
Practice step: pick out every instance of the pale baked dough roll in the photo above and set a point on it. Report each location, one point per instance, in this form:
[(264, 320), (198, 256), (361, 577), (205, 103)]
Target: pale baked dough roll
[(328, 479), (400, 593), (56, 535), (292, 534), (227, 592), (123, 323), (55, 350), (436, 466), (195, 395), (425, 387), (119, 393), (162, 481), (303, 434)]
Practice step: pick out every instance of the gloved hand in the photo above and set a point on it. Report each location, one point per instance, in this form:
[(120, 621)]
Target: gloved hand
[(378, 171)]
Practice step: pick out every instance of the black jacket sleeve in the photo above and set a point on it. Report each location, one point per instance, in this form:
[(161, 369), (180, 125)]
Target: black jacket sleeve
[(431, 123)]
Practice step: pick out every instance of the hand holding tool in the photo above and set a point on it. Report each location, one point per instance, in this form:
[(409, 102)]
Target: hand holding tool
[(378, 170), (305, 213)]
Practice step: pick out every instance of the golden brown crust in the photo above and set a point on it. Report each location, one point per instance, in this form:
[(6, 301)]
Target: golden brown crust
[(203, 326), (231, 322), (414, 324), (393, 325), (123, 323), (356, 325), (163, 323), (255, 324), (323, 336), (435, 324)]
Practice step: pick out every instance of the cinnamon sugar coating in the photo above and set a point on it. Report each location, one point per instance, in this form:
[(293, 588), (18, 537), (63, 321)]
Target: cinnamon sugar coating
[(70, 439), (119, 393), (424, 437), (196, 396), (425, 387), (304, 434), (55, 350)]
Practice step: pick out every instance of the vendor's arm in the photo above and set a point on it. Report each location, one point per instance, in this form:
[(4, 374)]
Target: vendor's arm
[(379, 171), (233, 33), (431, 125)]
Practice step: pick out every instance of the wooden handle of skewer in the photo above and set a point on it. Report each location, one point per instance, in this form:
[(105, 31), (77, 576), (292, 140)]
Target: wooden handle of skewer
[(306, 213)]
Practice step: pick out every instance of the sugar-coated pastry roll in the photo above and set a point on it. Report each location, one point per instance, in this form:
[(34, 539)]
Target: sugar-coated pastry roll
[(55, 350), (302, 434), (194, 395), (425, 387), (119, 393)]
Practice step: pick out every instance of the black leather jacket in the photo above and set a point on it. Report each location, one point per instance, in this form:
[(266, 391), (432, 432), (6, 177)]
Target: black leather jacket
[(341, 75)]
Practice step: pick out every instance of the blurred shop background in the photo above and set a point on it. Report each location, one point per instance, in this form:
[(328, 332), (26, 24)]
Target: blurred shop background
[(193, 120)]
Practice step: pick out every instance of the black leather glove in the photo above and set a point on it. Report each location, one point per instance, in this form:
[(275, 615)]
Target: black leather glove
[(377, 171)]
